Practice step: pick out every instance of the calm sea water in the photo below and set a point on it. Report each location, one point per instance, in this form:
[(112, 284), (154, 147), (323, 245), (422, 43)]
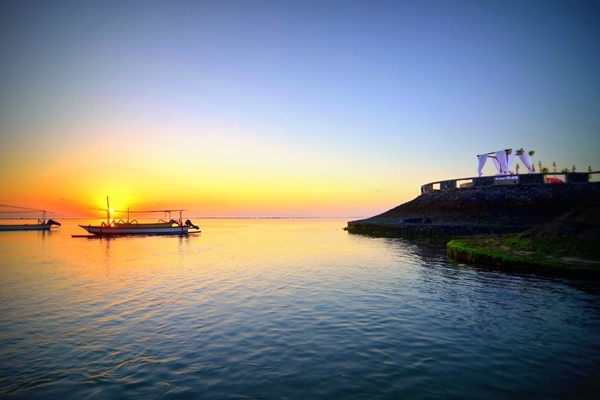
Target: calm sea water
[(283, 309)]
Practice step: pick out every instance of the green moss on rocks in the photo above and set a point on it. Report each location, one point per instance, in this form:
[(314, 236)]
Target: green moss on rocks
[(585, 248), (551, 255)]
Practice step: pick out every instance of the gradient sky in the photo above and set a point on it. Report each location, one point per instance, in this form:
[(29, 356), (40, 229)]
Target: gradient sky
[(296, 108)]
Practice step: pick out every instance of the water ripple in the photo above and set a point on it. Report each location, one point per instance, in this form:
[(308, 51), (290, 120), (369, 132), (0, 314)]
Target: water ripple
[(284, 309)]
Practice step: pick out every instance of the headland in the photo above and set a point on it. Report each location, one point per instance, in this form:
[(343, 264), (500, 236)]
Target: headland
[(530, 210)]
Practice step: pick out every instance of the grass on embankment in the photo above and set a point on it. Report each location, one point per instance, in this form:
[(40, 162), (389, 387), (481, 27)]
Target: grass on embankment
[(554, 255)]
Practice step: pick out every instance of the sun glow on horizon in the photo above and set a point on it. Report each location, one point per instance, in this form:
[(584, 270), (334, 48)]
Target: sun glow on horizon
[(301, 114)]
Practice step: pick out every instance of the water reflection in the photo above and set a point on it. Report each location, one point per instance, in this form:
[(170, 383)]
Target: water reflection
[(272, 309)]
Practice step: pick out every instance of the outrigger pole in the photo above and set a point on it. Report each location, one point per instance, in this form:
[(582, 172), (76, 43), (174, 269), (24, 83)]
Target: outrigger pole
[(167, 212), (26, 210)]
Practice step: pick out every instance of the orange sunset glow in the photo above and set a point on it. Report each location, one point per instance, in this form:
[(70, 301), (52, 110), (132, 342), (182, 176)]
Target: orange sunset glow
[(272, 110)]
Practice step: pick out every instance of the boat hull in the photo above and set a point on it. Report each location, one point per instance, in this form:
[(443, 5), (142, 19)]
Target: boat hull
[(149, 229), (25, 227)]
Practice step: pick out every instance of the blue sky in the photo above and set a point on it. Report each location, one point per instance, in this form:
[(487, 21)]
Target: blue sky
[(381, 96)]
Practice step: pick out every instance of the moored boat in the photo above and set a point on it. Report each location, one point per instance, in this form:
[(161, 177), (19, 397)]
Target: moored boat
[(41, 225), (175, 227), (166, 226)]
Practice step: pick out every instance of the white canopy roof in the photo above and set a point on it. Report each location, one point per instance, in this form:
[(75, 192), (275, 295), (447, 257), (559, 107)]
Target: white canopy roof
[(503, 159)]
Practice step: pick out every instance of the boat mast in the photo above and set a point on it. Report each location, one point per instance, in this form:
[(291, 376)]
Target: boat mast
[(107, 211)]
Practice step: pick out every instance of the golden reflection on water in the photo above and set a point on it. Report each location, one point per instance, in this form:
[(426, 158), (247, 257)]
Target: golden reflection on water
[(252, 250), (261, 250), (255, 303)]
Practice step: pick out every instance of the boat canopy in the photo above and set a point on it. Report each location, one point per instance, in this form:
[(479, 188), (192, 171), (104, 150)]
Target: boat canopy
[(19, 210)]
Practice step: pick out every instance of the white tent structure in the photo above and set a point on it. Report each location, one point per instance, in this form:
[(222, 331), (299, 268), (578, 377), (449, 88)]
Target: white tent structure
[(502, 160)]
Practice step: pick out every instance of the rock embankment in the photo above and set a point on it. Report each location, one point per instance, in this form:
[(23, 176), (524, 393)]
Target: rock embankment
[(581, 222), (496, 209), (568, 246)]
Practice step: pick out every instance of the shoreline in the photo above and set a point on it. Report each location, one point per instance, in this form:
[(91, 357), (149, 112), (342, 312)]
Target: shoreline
[(496, 252), (566, 215)]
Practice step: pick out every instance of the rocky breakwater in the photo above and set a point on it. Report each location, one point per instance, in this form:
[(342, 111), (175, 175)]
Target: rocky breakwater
[(467, 211)]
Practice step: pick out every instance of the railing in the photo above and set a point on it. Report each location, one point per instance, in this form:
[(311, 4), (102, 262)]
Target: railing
[(545, 178)]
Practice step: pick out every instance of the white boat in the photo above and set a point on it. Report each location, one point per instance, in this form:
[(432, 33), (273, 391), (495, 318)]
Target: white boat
[(41, 225), (166, 226)]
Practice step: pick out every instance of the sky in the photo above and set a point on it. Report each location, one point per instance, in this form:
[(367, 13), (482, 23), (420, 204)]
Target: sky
[(285, 108)]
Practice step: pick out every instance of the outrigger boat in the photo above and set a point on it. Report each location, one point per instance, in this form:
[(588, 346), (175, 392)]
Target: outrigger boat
[(41, 225), (166, 226)]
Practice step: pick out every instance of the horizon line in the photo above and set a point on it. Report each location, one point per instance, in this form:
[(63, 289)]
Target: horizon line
[(206, 217)]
